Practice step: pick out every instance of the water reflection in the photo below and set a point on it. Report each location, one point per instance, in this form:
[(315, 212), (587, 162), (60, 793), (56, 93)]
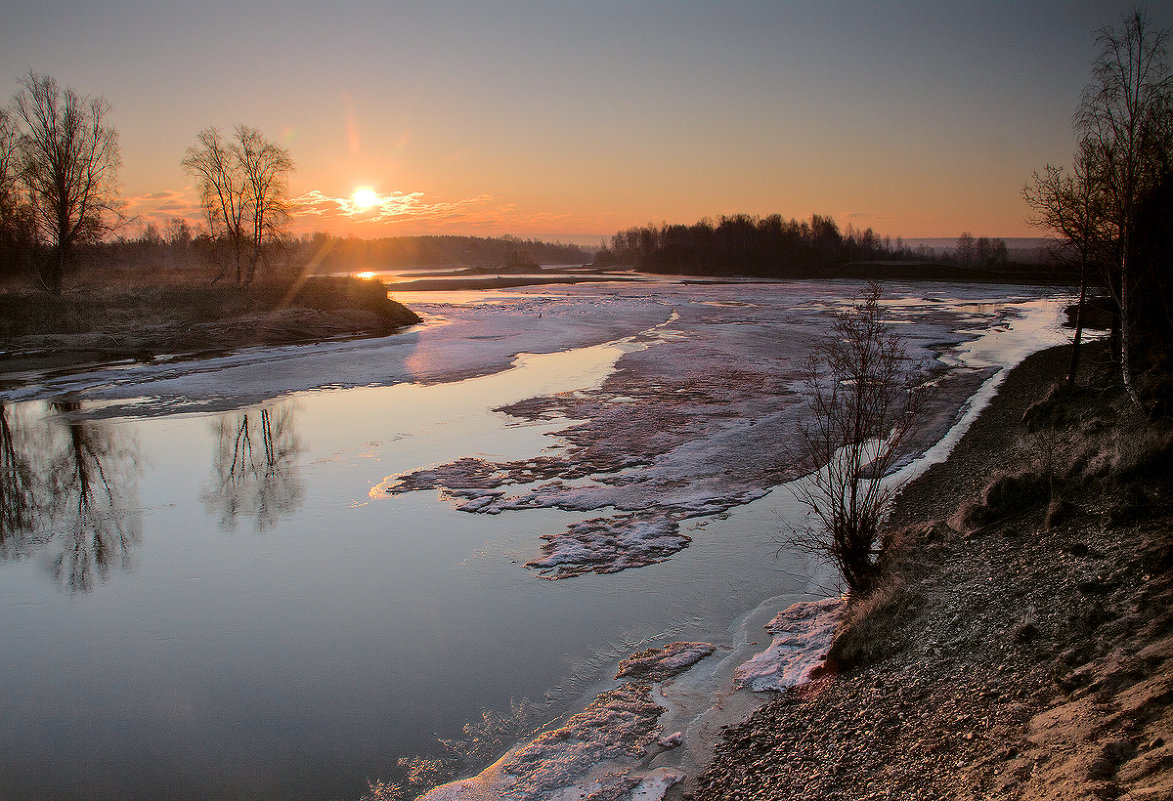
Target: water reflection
[(18, 491), (254, 467), (70, 485)]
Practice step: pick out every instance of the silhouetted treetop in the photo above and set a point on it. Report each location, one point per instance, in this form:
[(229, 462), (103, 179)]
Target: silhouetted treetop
[(745, 245)]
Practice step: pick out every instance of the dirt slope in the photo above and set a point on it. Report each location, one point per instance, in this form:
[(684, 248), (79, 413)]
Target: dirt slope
[(1022, 646)]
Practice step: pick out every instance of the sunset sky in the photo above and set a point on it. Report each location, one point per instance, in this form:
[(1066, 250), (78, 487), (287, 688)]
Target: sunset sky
[(572, 120)]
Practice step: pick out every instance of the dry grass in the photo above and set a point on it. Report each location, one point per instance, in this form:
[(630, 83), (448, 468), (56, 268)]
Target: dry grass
[(877, 623), (1006, 496), (1127, 455), (132, 299), (1077, 443), (874, 625)]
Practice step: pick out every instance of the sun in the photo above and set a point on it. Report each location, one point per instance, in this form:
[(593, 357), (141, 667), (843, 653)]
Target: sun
[(364, 197)]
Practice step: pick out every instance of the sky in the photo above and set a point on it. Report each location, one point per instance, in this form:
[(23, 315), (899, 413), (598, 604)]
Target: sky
[(570, 120)]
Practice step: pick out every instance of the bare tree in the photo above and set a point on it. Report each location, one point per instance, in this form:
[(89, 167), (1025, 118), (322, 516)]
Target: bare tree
[(1124, 118), (243, 187), (266, 167), (68, 162), (215, 165), (865, 398), (16, 230), (9, 138), (1070, 206)]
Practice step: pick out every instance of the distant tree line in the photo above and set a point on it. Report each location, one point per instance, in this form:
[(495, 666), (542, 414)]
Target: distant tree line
[(1112, 211), (980, 252), (179, 247), (326, 253), (778, 248), (743, 245)]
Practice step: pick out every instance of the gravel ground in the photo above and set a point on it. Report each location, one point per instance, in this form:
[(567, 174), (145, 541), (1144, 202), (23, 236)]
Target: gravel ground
[(1021, 647)]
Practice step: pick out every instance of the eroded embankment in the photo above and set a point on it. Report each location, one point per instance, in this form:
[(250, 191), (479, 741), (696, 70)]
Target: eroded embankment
[(1022, 645)]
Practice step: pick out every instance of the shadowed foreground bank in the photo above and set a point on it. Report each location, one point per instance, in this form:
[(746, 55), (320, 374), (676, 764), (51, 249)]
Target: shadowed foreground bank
[(1021, 647), (134, 320)]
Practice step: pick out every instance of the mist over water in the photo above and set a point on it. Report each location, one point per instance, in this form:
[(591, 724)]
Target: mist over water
[(206, 591)]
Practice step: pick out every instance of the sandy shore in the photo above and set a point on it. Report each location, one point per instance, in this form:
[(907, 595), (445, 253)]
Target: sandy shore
[(1021, 649)]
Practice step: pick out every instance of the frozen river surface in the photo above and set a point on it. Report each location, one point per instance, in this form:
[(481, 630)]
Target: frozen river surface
[(273, 574)]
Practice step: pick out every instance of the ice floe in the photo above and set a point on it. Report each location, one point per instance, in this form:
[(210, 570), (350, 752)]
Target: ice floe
[(802, 637), (695, 416), (661, 664), (608, 545), (596, 753)]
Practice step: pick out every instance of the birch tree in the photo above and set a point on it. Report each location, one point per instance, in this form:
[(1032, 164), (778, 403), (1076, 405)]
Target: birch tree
[(265, 167), (1069, 205), (1124, 119)]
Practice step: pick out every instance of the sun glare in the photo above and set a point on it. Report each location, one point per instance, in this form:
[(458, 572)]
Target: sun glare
[(364, 197)]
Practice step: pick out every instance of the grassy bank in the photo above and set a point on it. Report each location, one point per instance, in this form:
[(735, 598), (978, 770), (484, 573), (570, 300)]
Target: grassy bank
[(139, 316), (1021, 645)]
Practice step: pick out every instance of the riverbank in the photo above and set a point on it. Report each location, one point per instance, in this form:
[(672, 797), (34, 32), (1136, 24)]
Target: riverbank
[(1021, 646), (141, 318)]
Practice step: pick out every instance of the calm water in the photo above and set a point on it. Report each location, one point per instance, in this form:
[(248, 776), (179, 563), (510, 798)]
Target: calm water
[(218, 604)]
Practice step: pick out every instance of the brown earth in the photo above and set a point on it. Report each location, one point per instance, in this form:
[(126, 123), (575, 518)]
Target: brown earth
[(117, 320), (1022, 644)]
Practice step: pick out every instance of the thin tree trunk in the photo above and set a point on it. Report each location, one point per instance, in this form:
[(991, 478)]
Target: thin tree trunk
[(56, 272), (1074, 367), (1126, 333)]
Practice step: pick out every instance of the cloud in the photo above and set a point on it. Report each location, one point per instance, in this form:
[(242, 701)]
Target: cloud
[(160, 207), (389, 214), (393, 207)]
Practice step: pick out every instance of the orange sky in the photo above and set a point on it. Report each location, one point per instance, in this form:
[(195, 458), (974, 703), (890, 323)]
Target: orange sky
[(571, 120)]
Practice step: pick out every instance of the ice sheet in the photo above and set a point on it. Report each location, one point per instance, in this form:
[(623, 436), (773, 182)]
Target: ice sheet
[(701, 410)]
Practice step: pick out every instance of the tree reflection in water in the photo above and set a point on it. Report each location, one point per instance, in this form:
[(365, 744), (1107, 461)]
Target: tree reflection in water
[(19, 490), (68, 483), (254, 468)]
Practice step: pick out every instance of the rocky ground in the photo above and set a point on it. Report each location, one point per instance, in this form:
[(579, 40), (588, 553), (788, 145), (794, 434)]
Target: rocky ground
[(1021, 645)]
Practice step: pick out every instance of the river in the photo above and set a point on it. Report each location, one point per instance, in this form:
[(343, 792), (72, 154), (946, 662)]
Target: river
[(275, 573)]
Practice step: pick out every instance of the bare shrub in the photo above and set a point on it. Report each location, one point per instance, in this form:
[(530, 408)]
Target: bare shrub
[(866, 397)]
